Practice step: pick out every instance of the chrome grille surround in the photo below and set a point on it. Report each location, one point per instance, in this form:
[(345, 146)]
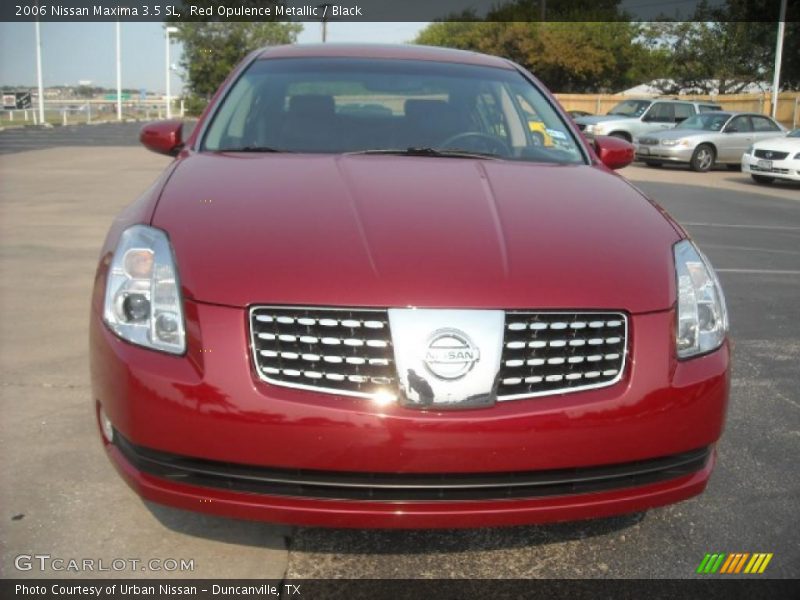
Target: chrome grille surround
[(334, 350), (547, 353), (771, 154), (648, 141), (349, 351)]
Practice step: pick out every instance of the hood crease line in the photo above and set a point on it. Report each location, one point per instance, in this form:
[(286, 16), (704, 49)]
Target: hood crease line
[(351, 200), (491, 200)]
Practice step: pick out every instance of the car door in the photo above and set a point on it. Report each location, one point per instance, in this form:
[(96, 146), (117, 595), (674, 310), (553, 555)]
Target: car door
[(660, 115), (764, 128), (738, 136)]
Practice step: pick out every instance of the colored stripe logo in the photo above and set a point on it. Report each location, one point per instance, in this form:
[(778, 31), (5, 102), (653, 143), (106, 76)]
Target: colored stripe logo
[(734, 563)]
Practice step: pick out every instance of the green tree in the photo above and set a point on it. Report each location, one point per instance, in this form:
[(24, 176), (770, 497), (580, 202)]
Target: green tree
[(600, 56), (211, 50), (727, 48)]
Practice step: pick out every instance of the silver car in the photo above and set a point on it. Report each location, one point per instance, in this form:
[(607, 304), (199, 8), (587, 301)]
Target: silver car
[(632, 118), (707, 139)]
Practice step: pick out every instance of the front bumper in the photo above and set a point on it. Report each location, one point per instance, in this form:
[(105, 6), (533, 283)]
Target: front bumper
[(208, 405), (788, 169), (677, 154)]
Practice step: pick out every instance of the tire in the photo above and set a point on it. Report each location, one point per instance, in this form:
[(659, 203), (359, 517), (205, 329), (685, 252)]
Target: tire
[(703, 158), (620, 136), (762, 179), (653, 163)]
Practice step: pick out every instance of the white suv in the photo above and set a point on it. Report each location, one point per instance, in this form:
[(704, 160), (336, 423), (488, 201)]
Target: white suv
[(631, 118)]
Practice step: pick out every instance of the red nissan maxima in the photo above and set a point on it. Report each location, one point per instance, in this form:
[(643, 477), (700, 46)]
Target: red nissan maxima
[(365, 295)]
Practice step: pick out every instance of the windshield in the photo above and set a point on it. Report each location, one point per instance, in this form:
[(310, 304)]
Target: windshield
[(630, 108), (794, 133), (713, 121), (339, 105)]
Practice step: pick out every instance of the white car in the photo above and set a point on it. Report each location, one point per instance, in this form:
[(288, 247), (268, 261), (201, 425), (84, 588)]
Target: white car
[(775, 158)]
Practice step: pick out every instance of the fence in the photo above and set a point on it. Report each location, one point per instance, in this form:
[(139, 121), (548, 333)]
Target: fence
[(72, 112), (788, 103)]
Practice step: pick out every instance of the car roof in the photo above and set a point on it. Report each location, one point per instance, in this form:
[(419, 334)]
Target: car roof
[(384, 51)]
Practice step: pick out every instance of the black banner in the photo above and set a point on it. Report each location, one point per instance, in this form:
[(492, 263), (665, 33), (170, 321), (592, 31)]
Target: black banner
[(402, 589), (388, 10)]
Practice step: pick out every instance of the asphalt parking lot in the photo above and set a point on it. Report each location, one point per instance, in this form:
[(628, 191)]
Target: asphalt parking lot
[(60, 496)]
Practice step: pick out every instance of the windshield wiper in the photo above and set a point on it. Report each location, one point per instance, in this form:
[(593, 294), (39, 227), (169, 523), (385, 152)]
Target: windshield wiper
[(428, 151), (252, 149)]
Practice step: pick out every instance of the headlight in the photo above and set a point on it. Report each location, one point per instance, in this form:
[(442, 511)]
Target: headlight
[(749, 149), (589, 128), (143, 300), (675, 142), (598, 129), (702, 315)]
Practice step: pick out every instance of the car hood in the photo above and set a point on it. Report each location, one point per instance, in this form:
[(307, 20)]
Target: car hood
[(780, 144), (677, 134), (601, 119), (413, 231)]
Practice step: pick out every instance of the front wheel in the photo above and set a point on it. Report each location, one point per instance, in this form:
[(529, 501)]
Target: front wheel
[(762, 179), (703, 158)]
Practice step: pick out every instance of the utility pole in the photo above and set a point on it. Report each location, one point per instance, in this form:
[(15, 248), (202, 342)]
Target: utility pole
[(119, 75), (169, 30), (39, 72), (776, 78)]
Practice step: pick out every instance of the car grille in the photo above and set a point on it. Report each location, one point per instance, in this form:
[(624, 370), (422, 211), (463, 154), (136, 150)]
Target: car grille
[(648, 141), (773, 155), (347, 351), (555, 352), (395, 487)]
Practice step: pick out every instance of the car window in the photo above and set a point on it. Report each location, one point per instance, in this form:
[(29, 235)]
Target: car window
[(740, 124), (630, 108), (705, 121), (683, 111), (661, 112), (336, 105), (763, 124)]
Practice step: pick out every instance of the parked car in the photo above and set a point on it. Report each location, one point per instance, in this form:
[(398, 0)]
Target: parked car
[(415, 319), (578, 113), (775, 158), (631, 118), (707, 139)]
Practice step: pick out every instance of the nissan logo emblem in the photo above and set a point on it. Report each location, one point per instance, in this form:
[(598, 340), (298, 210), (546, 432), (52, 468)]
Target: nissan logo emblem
[(450, 354)]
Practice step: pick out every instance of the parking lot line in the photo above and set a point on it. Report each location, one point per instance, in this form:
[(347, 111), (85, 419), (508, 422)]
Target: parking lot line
[(734, 226), (759, 271)]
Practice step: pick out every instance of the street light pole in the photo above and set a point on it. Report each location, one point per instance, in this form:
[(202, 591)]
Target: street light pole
[(39, 72), (169, 30), (776, 78), (119, 75)]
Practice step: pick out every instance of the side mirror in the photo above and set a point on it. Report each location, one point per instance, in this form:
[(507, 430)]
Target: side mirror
[(163, 137), (613, 152)]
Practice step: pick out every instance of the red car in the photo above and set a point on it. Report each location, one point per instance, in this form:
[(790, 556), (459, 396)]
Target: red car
[(363, 295)]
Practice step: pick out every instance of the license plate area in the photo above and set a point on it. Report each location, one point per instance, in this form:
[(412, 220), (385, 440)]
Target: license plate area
[(765, 164)]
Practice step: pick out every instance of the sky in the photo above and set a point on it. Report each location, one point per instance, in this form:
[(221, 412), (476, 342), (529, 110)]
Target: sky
[(73, 52)]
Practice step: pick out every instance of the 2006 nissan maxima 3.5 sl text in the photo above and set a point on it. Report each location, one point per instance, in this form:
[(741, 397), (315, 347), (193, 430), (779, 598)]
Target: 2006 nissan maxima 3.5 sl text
[(365, 295)]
